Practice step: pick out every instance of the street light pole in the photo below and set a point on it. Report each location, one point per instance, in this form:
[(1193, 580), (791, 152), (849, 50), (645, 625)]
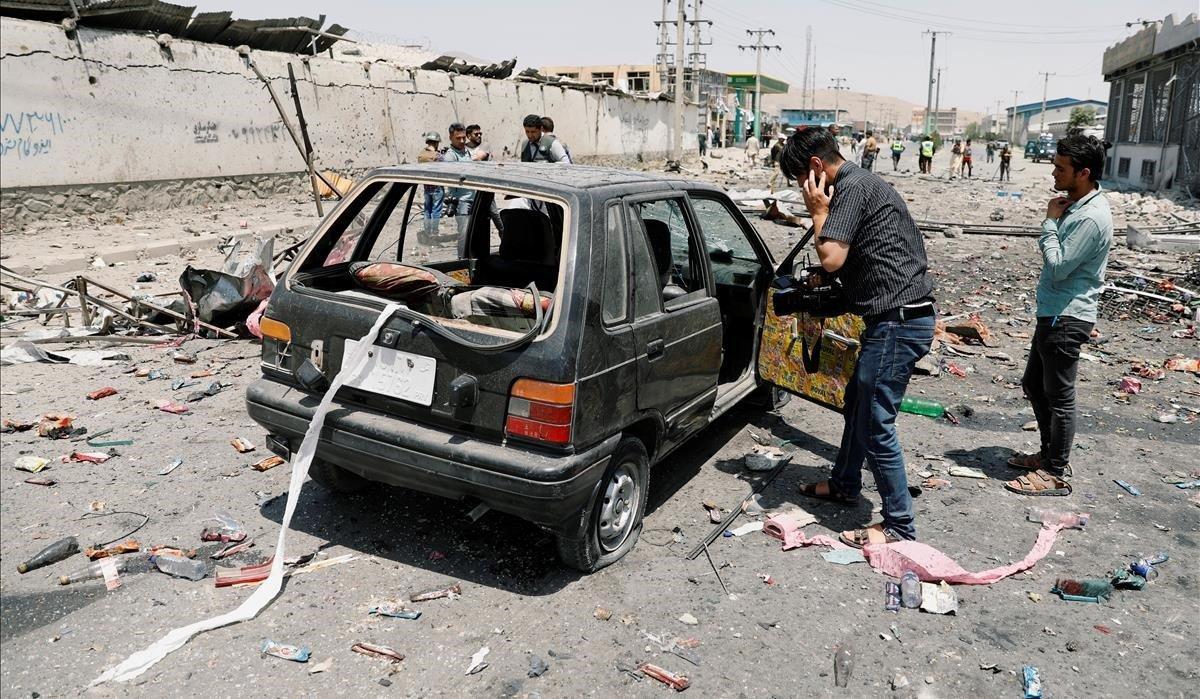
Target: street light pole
[(837, 88)]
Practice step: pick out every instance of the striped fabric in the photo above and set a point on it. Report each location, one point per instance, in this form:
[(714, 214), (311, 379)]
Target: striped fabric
[(886, 266)]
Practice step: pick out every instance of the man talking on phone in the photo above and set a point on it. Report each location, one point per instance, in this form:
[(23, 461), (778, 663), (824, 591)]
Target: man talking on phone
[(1076, 237), (864, 233)]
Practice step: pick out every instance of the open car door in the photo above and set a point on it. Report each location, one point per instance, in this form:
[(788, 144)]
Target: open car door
[(810, 356)]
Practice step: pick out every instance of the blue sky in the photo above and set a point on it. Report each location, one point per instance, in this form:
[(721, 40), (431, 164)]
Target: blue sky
[(992, 49)]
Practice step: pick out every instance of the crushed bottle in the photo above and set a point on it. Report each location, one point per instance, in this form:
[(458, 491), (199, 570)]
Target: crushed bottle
[(910, 590), (843, 664), (1066, 520), (58, 551)]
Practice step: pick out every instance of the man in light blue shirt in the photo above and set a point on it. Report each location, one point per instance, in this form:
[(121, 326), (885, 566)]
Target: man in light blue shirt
[(461, 200), (1076, 237)]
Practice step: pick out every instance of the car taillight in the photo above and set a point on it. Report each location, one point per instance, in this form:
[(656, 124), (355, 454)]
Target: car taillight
[(541, 411)]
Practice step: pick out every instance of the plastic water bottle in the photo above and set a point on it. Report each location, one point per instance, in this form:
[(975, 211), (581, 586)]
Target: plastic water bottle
[(910, 590), (180, 567), (921, 406), (1068, 520), (94, 570), (843, 664)]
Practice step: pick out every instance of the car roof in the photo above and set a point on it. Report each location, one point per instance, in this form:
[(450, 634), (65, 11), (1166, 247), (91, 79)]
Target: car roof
[(546, 176)]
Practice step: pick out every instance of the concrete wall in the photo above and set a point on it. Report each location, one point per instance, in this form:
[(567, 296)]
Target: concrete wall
[(1165, 167), (129, 111)]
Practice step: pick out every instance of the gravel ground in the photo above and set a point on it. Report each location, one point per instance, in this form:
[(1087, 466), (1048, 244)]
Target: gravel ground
[(761, 640)]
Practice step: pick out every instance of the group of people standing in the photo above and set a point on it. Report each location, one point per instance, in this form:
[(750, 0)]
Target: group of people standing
[(539, 144), (865, 234)]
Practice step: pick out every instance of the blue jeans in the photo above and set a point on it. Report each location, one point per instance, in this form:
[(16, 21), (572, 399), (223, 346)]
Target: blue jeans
[(434, 196), (885, 364)]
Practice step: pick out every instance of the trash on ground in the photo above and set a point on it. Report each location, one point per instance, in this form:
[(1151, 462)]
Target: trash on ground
[(180, 567), (106, 568), (41, 480), (90, 457), (910, 590), (242, 445), (844, 557), (30, 464), (55, 426), (676, 682), (601, 614), (396, 610), (1066, 520), (127, 546), (843, 664), (327, 563), (1127, 487), (787, 529), (938, 599), (966, 472), (377, 651), (119, 442), (932, 565), (102, 393), (171, 467), (322, 666), (765, 458), (226, 577), (688, 619), (1031, 682), (747, 528), (1082, 590), (451, 591), (171, 407), (477, 662), (297, 654), (537, 666), (268, 463), (233, 549), (58, 551)]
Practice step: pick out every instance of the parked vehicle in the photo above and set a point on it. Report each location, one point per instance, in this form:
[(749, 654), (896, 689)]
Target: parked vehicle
[(1040, 149), (598, 320)]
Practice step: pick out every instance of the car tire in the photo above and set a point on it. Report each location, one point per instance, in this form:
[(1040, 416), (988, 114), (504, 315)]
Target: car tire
[(610, 525), (335, 478)]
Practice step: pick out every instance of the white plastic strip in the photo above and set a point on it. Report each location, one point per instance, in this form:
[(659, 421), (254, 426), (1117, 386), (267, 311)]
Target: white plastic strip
[(143, 660)]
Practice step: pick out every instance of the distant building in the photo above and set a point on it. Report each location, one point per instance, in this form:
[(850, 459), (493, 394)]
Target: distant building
[(631, 78), (1154, 107), (944, 121), (1030, 122), (796, 118)]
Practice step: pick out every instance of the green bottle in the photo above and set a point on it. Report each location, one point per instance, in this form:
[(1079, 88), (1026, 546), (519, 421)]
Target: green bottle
[(920, 406)]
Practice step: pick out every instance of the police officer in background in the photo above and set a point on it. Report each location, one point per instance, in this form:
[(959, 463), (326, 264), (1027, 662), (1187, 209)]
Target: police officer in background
[(865, 234)]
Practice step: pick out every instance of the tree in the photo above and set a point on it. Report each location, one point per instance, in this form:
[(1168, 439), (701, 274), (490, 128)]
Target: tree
[(1081, 116), (974, 131)]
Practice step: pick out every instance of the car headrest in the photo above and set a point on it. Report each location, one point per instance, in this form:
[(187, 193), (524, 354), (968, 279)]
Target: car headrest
[(528, 237), (659, 235)]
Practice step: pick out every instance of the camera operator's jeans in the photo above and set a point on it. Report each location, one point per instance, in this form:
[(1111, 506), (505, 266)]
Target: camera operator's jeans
[(889, 351)]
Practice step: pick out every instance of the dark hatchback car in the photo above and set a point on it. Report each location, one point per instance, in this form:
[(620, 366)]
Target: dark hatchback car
[(566, 332)]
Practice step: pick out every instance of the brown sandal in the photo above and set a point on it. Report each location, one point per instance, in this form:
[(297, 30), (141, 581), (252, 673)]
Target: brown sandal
[(874, 534), (1031, 462), (1039, 482), (825, 491)]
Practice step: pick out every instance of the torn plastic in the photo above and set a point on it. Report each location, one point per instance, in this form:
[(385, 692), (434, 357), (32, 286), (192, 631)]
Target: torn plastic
[(228, 296), (139, 662)]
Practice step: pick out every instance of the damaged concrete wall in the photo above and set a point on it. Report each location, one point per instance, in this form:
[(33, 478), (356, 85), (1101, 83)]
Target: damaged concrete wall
[(120, 108)]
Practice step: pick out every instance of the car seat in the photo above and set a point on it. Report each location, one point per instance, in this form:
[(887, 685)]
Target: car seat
[(529, 249)]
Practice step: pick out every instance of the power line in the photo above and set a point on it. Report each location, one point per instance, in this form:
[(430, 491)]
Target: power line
[(758, 47)]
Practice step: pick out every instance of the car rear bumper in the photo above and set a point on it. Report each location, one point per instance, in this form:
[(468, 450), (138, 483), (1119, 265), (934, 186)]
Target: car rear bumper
[(549, 490)]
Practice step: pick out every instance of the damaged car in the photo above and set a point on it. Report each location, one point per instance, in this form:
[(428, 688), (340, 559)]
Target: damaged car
[(557, 337)]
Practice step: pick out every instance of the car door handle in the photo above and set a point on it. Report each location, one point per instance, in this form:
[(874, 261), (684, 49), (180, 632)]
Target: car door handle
[(655, 349)]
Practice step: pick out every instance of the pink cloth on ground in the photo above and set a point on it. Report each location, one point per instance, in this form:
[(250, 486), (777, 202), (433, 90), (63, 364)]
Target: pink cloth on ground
[(787, 529), (932, 565)]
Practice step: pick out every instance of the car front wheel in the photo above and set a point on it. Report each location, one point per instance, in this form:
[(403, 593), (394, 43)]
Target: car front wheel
[(610, 525)]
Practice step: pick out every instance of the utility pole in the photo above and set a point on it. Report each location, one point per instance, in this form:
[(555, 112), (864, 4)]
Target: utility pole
[(805, 97), (1012, 123), (866, 111), (1045, 87), (929, 95), (664, 40), (677, 141), (698, 63), (759, 47), (994, 124), (837, 87), (937, 105)]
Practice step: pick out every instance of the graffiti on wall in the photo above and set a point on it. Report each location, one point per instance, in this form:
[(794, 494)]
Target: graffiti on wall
[(204, 132), (272, 133), (29, 134)]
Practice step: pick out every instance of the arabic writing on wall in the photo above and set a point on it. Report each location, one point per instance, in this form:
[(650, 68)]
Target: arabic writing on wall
[(205, 132), (29, 134)]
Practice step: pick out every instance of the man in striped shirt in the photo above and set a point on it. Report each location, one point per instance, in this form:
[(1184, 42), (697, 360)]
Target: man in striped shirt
[(863, 232)]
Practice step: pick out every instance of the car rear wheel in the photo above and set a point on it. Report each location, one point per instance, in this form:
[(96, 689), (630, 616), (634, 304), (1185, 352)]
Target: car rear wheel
[(609, 527), (335, 478)]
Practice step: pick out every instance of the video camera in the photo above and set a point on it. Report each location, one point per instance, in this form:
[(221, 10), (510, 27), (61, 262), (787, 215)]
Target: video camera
[(813, 291)]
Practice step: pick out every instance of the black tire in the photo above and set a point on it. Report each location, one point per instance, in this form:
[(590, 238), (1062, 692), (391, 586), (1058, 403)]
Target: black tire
[(335, 478), (594, 541), (768, 397)]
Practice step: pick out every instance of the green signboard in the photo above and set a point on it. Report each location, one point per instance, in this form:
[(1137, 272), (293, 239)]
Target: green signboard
[(769, 85)]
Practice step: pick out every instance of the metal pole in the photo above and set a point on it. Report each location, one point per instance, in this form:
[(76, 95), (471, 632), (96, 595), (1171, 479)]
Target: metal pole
[(937, 104), (677, 144), (758, 92), (1012, 123), (929, 96), (308, 152), (1045, 88)]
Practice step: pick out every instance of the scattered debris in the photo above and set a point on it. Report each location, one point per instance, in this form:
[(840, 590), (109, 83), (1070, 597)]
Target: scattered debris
[(477, 662), (676, 682), (296, 654), (377, 651)]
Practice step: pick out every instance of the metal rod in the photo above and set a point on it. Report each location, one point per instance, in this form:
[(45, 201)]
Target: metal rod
[(99, 302), (308, 151), (714, 569), (81, 289), (716, 531), (161, 309)]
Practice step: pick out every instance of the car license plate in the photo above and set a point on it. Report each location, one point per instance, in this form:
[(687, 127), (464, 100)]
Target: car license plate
[(396, 374)]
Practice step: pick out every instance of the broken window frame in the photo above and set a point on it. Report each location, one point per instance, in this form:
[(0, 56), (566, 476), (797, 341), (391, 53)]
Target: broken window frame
[(1135, 94), (1156, 105)]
